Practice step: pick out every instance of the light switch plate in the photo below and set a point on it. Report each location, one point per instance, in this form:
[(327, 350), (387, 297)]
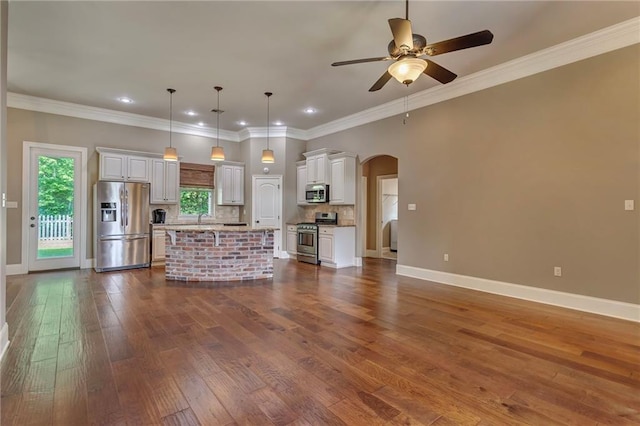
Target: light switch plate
[(411, 207), (629, 205)]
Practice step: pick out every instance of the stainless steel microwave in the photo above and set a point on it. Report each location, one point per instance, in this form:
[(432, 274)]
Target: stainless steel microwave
[(317, 193)]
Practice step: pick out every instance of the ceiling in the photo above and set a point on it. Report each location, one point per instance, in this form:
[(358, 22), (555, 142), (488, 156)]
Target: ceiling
[(92, 53)]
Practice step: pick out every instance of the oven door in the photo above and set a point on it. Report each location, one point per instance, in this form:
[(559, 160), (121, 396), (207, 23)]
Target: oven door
[(308, 245)]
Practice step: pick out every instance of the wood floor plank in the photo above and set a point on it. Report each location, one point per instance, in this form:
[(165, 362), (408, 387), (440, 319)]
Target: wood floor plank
[(70, 398), (201, 399), (312, 346)]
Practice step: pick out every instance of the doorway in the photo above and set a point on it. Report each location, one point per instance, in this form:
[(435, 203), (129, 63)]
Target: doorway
[(267, 206), (54, 213), (387, 213), (378, 212)]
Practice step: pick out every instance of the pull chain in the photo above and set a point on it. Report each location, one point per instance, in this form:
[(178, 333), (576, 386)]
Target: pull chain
[(406, 110)]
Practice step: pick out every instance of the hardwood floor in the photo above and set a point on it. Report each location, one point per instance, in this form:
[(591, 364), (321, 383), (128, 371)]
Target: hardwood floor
[(315, 346)]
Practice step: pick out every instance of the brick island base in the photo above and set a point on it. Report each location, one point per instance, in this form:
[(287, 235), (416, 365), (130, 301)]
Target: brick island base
[(218, 255)]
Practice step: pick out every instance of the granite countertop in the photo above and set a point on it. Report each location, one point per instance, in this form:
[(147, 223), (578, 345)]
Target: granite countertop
[(212, 227)]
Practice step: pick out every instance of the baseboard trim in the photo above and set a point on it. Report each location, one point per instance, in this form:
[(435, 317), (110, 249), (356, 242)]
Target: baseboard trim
[(87, 264), (4, 340), (371, 253), (357, 261), (17, 269), (610, 308)]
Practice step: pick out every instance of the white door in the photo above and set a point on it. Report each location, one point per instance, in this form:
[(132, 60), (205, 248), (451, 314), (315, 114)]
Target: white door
[(267, 207), (267, 200), (54, 210)]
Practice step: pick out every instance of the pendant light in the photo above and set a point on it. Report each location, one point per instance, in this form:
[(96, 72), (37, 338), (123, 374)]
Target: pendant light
[(217, 153), (267, 154), (170, 153)]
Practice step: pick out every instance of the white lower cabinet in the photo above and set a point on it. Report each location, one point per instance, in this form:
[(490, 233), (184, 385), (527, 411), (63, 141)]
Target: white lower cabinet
[(158, 246), (337, 246), (292, 240)]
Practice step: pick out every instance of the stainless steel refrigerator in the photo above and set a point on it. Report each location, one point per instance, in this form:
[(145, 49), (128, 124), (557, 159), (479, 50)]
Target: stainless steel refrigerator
[(121, 225)]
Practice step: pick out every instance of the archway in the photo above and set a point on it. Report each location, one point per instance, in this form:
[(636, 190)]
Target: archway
[(380, 194)]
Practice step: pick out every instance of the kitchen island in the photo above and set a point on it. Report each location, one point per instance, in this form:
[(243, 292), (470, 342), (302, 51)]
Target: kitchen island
[(214, 252)]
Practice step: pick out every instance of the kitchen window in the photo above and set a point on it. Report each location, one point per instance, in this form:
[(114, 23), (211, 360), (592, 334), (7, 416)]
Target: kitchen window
[(196, 190), (196, 201)]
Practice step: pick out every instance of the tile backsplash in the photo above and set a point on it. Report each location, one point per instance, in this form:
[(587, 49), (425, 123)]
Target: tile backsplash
[(222, 213), (346, 214)]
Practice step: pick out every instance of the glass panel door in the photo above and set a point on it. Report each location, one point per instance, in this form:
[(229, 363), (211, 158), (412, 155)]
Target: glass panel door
[(54, 202)]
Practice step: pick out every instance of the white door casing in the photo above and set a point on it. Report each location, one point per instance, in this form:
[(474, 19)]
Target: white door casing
[(31, 152)]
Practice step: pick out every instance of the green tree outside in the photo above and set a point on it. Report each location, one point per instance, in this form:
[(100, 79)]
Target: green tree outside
[(195, 201), (55, 186)]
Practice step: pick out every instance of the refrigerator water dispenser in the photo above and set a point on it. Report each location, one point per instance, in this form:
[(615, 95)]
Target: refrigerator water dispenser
[(108, 212)]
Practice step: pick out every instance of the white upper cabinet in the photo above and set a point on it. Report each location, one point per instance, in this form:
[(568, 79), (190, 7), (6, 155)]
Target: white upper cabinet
[(230, 184), (342, 168), (301, 181), (122, 167), (317, 166), (165, 182)]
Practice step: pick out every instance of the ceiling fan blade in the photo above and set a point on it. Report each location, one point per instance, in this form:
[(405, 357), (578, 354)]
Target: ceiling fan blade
[(438, 72), (381, 82), (402, 35), (359, 61), (463, 42)]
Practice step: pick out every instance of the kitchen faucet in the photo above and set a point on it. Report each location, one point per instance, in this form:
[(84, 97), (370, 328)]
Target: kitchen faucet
[(200, 217)]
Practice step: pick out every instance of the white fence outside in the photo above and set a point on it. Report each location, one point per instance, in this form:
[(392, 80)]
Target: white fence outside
[(55, 227)]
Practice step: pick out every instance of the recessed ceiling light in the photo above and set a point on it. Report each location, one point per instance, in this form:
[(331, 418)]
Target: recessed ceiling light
[(125, 100), (310, 110), (191, 113), (201, 124), (278, 123), (242, 123)]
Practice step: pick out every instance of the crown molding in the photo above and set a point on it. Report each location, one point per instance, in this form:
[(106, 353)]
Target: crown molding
[(608, 39), (274, 132), (50, 106)]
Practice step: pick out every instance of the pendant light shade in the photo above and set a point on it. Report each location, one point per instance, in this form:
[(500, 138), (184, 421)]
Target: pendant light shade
[(267, 154), (217, 152), (170, 153)]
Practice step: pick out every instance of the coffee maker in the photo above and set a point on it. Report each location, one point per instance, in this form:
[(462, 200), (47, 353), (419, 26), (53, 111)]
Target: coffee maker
[(158, 216)]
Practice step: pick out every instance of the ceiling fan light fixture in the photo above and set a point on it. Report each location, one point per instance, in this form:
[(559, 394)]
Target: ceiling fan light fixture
[(407, 70)]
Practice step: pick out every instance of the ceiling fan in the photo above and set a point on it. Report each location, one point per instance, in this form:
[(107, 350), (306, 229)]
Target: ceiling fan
[(406, 48)]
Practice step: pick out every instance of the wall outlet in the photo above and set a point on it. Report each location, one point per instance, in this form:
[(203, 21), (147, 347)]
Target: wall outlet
[(446, 257), (629, 205), (557, 271), (411, 207)]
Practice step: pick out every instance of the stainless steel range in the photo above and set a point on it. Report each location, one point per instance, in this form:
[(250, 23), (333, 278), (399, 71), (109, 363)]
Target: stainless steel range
[(308, 237)]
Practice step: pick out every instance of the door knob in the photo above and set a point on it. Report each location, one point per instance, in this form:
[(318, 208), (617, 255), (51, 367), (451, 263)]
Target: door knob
[(33, 218), (33, 225)]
